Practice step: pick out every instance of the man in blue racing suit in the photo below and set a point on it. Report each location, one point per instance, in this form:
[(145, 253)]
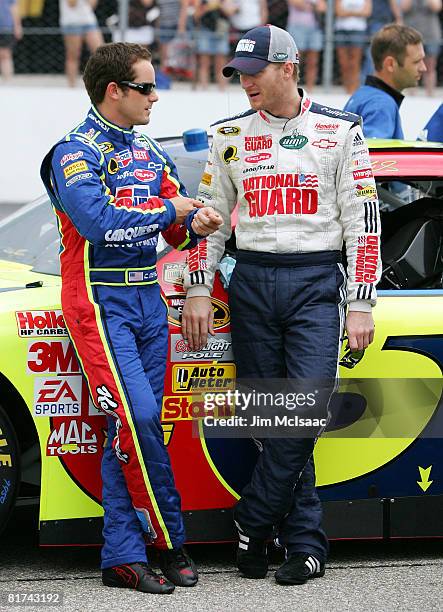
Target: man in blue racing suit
[(113, 191)]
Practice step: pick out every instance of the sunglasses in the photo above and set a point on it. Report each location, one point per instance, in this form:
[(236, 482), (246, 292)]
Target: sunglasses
[(351, 358), (143, 88)]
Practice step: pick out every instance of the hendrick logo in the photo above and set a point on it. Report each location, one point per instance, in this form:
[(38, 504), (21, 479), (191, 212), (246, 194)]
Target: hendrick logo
[(296, 141)]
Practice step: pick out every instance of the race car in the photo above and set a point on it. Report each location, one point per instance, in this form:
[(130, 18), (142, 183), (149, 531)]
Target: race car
[(379, 463)]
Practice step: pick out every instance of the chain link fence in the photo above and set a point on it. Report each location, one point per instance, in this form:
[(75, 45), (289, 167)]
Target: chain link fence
[(41, 50)]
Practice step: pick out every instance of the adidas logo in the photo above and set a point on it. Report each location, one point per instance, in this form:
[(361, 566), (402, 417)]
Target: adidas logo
[(358, 139), (312, 563)]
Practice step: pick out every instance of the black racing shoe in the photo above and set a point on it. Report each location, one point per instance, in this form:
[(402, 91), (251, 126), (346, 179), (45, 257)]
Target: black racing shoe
[(252, 557), (137, 576), (178, 567), (299, 568)]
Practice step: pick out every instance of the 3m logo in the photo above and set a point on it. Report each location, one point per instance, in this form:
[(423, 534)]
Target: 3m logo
[(40, 323), (57, 357)]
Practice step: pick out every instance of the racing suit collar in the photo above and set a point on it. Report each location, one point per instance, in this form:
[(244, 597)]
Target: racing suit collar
[(283, 123), (108, 128)]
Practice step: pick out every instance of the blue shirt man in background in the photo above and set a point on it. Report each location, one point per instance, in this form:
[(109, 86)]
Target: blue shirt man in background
[(398, 56)]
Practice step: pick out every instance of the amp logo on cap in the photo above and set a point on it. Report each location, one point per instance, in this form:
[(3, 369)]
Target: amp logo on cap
[(245, 44)]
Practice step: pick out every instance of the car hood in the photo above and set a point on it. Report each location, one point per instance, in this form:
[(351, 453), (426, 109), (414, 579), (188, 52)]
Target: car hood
[(16, 276)]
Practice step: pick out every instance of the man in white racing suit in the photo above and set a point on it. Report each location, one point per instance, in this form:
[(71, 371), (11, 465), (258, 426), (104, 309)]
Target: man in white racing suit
[(302, 177)]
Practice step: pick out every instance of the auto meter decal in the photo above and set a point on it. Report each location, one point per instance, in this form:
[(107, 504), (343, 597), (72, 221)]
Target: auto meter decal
[(177, 301)]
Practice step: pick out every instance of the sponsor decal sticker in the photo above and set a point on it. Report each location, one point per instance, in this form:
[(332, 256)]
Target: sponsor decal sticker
[(113, 166), (129, 233), (230, 154), (189, 377), (124, 158), (258, 143), (140, 155), (366, 191), (229, 130), (182, 408), (58, 396), (324, 143), (281, 194), (40, 323), (145, 176), (333, 112), (197, 257), (142, 143), (367, 258), (206, 178), (259, 168), (245, 44), (133, 195), (255, 159), (98, 121), (296, 141), (78, 177), (218, 348), (361, 161), (326, 128), (72, 437), (358, 141), (365, 173), (75, 168), (280, 56), (70, 157), (173, 273), (105, 147), (52, 357), (177, 301)]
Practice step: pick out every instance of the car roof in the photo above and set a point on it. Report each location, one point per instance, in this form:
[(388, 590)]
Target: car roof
[(408, 159)]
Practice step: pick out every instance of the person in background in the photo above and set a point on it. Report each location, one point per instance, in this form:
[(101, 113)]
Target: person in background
[(248, 14), (278, 13), (383, 13), (433, 130), (212, 21), (350, 31), (140, 23), (423, 15), (304, 27), (399, 60), (170, 11), (79, 24), (10, 32)]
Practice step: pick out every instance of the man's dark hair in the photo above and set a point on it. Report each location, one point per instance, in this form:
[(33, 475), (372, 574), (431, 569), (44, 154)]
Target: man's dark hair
[(393, 40), (113, 62)]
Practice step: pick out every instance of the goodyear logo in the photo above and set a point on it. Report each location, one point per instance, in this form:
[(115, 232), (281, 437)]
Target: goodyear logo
[(177, 301), (190, 377), (75, 168)]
